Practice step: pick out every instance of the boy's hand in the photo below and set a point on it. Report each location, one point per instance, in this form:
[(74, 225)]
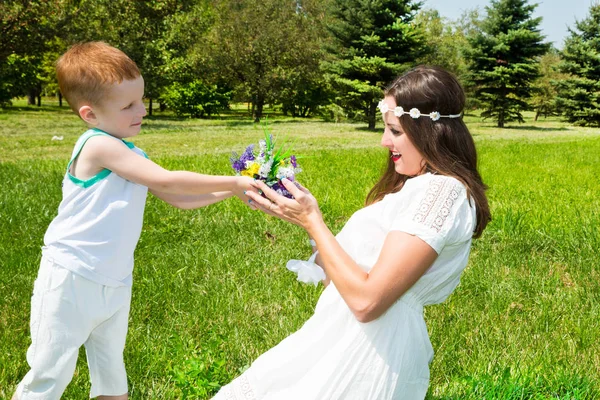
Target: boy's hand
[(244, 184)]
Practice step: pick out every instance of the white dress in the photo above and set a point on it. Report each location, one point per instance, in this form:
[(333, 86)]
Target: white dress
[(333, 355)]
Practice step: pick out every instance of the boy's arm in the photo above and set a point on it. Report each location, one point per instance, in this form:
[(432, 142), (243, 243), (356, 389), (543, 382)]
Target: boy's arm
[(188, 202), (114, 155)]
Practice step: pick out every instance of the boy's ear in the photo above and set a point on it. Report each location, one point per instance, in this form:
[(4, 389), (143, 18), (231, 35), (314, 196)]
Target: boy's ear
[(87, 114)]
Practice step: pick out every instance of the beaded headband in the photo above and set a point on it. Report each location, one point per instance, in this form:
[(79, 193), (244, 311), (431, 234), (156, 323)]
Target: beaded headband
[(414, 112)]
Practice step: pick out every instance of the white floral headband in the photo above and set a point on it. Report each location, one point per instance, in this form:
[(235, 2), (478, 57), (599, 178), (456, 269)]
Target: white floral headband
[(414, 112)]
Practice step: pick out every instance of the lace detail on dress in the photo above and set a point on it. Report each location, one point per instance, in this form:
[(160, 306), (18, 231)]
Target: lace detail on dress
[(240, 389), (437, 203)]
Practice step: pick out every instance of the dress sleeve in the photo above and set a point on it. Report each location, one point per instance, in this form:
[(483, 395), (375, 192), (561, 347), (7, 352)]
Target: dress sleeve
[(439, 213)]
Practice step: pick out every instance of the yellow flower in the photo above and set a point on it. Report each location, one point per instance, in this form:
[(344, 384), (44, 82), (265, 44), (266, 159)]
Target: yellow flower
[(252, 170)]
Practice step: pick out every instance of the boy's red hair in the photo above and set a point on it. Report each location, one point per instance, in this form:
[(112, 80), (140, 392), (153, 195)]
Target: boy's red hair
[(87, 69)]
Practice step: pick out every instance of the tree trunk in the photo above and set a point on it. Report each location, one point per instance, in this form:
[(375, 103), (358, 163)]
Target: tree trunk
[(31, 97), (501, 113), (258, 109), (537, 114), (162, 107), (59, 99), (372, 115), (39, 99), (150, 106)]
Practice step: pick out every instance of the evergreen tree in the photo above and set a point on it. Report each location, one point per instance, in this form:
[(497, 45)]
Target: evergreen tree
[(374, 41), (504, 59), (579, 94)]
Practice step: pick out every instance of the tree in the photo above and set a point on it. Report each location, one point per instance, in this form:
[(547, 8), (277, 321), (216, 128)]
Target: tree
[(25, 28), (446, 41), (257, 46), (374, 41), (545, 91), (579, 95), (503, 59)]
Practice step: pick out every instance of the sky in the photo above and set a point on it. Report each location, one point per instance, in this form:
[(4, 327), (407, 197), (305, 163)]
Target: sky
[(557, 14)]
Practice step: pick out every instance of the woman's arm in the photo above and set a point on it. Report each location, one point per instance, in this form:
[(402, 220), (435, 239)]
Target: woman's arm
[(319, 262), (403, 260)]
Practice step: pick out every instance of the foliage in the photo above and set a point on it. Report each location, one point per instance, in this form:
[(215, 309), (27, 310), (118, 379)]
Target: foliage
[(266, 47), (579, 94), (303, 97), (545, 92), (374, 41), (201, 374), (26, 28), (503, 59), (17, 73), (196, 99), (445, 40)]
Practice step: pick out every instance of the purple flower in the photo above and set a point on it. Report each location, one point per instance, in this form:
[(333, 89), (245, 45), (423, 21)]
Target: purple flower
[(248, 154), (279, 188), (236, 164), (293, 161)]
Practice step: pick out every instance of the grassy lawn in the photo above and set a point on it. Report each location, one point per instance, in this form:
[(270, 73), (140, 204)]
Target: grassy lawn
[(211, 290)]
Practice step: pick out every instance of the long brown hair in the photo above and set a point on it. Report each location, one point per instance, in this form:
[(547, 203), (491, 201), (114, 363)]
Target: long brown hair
[(446, 144)]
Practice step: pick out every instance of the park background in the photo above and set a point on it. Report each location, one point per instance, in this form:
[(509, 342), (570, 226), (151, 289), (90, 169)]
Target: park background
[(211, 290)]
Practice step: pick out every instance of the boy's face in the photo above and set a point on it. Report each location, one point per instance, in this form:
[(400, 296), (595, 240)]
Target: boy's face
[(122, 109)]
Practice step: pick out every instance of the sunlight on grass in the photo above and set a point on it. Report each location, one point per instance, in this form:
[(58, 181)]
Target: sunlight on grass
[(211, 290)]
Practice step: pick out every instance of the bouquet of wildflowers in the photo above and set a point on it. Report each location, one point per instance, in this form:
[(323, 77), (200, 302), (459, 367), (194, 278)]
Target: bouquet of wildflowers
[(268, 164)]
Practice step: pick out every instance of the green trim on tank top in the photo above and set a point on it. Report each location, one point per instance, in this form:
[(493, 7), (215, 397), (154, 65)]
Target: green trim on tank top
[(86, 183)]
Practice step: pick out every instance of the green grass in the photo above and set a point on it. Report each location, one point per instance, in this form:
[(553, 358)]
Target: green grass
[(211, 291)]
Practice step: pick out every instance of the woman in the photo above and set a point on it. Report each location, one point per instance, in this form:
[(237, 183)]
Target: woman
[(406, 249)]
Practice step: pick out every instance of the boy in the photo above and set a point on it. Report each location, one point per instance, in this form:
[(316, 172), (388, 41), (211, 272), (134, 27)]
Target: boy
[(83, 290)]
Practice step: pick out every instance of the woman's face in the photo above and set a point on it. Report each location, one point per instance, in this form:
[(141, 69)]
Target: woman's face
[(407, 159)]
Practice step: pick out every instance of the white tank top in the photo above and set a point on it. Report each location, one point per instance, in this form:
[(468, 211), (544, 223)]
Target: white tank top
[(99, 223)]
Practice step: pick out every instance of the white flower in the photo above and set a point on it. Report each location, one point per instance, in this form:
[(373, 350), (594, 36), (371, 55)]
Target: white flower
[(398, 111), (308, 272), (263, 146), (265, 168), (415, 113), (383, 107), (434, 115), (285, 172)]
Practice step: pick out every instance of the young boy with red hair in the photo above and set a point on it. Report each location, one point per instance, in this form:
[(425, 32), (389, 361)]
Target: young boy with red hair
[(83, 290)]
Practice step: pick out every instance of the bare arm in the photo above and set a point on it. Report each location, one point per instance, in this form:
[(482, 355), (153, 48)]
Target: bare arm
[(112, 154), (402, 261), (188, 202), (319, 262)]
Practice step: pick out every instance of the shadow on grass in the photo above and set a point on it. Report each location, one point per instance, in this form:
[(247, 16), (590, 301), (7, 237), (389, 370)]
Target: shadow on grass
[(534, 128), (35, 109), (367, 129)]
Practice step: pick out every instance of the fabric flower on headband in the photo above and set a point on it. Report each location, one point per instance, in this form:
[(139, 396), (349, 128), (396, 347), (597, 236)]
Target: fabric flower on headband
[(414, 112)]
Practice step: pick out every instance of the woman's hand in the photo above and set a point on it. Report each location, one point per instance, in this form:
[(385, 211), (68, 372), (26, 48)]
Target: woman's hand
[(303, 210)]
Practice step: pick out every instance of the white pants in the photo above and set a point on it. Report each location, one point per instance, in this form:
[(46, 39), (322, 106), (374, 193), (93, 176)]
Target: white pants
[(68, 311)]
